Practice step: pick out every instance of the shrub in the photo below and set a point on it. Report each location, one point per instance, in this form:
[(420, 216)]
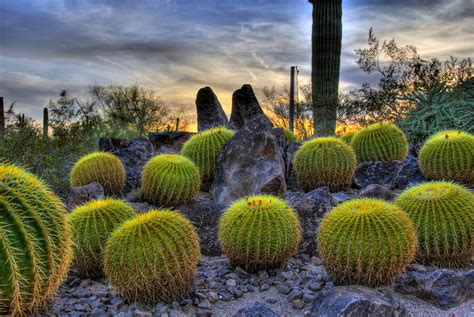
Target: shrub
[(170, 179), (35, 242), (204, 148), (347, 137), (443, 214), (102, 167), (92, 224), (153, 257), (325, 162), (380, 142), (259, 232), (448, 155), (366, 241)]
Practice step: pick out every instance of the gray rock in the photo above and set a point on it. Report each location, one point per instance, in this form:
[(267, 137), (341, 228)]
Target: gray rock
[(289, 150), (355, 301), (284, 288), (444, 287), (297, 304), (82, 194), (171, 140), (209, 110), (341, 197), (310, 207), (133, 154), (245, 107), (377, 191), (382, 173), (409, 173), (250, 163), (259, 309)]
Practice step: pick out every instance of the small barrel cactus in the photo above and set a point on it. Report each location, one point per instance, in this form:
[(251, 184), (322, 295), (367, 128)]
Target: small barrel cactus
[(153, 257), (443, 214), (92, 224), (380, 142), (289, 136), (366, 241), (102, 167), (203, 149), (325, 162), (170, 179), (347, 137), (259, 232), (35, 242), (448, 155)]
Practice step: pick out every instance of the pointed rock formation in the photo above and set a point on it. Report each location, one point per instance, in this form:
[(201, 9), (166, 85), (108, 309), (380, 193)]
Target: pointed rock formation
[(209, 110), (245, 107)]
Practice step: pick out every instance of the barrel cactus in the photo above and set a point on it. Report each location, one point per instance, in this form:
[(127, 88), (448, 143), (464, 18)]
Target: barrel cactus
[(35, 242), (289, 136), (102, 167), (203, 149), (325, 162), (153, 257), (380, 142), (259, 232), (92, 224), (366, 241), (347, 137), (443, 214), (170, 179), (448, 155)]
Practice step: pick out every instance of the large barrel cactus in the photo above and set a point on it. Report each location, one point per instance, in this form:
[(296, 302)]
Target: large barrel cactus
[(203, 149), (325, 162), (448, 155), (170, 179), (92, 224), (259, 232), (366, 241), (102, 167), (443, 214), (35, 242), (153, 257), (380, 142), (347, 137)]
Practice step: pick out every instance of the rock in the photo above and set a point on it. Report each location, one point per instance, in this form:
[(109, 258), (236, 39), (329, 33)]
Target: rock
[(245, 107), (444, 287), (341, 197), (382, 173), (355, 301), (82, 194), (209, 110), (169, 139), (316, 261), (133, 154), (409, 173), (259, 309), (249, 163), (213, 297), (297, 304), (377, 191), (311, 207), (284, 288), (289, 151), (231, 283), (204, 213)]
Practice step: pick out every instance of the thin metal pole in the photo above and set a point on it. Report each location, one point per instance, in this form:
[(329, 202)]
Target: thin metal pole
[(292, 98)]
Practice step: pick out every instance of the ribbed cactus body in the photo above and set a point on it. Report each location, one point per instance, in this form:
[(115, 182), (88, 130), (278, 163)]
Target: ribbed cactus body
[(448, 155), (203, 149), (92, 224), (259, 232), (347, 137), (153, 257), (325, 162), (35, 242), (170, 179), (367, 242), (102, 167), (380, 142), (443, 214), (289, 136)]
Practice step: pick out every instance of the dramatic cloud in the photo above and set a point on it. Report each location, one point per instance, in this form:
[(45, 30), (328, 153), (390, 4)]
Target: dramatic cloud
[(177, 46)]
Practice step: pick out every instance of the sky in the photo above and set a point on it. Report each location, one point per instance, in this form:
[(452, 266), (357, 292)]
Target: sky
[(175, 47)]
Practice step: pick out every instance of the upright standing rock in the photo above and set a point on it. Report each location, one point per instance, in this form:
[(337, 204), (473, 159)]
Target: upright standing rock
[(250, 163), (209, 110), (245, 106)]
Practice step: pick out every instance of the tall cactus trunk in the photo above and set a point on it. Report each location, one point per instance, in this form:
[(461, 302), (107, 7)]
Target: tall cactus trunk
[(45, 123), (326, 62), (2, 117)]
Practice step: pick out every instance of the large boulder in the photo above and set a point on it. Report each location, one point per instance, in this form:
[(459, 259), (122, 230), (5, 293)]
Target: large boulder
[(245, 107), (444, 288), (250, 163), (355, 301), (133, 154), (82, 194), (409, 173), (310, 207), (209, 110), (382, 173), (173, 140)]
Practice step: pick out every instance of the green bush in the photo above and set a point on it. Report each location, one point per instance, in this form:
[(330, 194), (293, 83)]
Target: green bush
[(153, 257), (366, 241)]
